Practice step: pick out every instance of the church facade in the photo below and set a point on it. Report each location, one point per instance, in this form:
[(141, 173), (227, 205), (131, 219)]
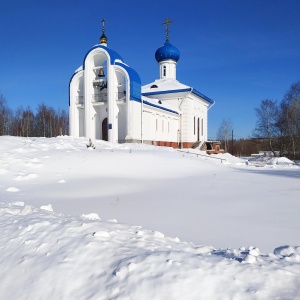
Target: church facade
[(108, 102)]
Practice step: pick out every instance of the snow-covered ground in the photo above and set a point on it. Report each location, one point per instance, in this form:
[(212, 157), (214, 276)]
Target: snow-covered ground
[(134, 221)]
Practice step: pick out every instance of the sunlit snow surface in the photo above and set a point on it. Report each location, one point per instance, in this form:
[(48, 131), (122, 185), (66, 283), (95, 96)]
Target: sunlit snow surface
[(143, 222)]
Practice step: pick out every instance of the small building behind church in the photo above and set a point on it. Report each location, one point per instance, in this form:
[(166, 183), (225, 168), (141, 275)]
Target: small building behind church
[(108, 102)]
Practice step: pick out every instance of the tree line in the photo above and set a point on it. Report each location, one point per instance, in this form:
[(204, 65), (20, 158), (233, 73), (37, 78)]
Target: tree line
[(46, 122), (279, 123), (277, 128)]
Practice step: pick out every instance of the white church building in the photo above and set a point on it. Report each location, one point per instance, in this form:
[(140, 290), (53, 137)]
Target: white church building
[(108, 102)]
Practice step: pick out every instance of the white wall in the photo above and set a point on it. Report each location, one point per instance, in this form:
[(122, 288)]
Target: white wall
[(75, 113), (155, 123), (193, 107)]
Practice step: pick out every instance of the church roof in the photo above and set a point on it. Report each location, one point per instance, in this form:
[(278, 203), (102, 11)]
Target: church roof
[(160, 85), (169, 86), (113, 54), (135, 81), (160, 105)]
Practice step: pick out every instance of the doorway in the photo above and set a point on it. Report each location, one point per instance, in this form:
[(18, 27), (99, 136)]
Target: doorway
[(104, 130)]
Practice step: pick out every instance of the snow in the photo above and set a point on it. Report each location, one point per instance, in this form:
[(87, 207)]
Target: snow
[(162, 104), (132, 221), (164, 84), (262, 161)]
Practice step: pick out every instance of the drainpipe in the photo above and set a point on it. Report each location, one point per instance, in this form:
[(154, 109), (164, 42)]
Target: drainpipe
[(180, 124), (142, 102), (209, 107)]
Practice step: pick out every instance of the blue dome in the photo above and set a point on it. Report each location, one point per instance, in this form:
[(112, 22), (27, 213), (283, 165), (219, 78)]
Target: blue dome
[(166, 52)]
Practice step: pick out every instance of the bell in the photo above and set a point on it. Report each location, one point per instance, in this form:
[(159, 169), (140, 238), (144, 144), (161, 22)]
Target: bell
[(101, 73)]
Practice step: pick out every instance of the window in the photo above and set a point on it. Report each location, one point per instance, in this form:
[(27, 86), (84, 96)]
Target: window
[(153, 86), (198, 130), (164, 71)]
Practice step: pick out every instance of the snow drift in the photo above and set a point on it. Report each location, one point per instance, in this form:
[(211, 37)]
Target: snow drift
[(144, 222)]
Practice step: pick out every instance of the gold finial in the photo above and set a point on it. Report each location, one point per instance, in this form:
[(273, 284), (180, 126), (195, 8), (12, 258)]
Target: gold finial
[(103, 38), (167, 23)]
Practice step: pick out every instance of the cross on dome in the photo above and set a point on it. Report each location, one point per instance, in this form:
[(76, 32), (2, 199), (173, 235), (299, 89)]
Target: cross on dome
[(167, 52), (103, 38), (167, 23), (103, 21)]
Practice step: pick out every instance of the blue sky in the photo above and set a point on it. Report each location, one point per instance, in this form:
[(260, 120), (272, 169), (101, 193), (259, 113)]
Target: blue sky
[(235, 52)]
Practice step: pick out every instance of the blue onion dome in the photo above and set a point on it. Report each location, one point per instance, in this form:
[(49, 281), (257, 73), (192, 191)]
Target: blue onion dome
[(167, 52)]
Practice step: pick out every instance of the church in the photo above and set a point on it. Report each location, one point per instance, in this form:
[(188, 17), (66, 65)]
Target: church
[(107, 101)]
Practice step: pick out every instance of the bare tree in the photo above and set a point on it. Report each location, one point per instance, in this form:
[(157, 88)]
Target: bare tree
[(9, 122), (224, 133), (267, 122), (40, 121), (290, 117), (63, 123), (28, 117), (19, 121), (3, 110)]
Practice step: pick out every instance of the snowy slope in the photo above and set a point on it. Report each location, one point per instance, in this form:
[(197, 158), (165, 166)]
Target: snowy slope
[(51, 256), (165, 197)]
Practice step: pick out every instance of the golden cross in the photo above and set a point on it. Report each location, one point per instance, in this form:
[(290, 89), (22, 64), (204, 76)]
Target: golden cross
[(167, 23), (103, 21)]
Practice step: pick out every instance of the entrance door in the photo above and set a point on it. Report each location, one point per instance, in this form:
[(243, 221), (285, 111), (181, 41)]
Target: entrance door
[(104, 130)]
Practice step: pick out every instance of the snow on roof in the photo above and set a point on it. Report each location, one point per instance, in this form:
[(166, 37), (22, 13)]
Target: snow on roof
[(113, 54), (163, 85), (160, 104), (78, 69), (170, 85)]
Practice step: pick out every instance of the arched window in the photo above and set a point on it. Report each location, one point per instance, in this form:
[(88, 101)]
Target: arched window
[(198, 130), (164, 71)]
